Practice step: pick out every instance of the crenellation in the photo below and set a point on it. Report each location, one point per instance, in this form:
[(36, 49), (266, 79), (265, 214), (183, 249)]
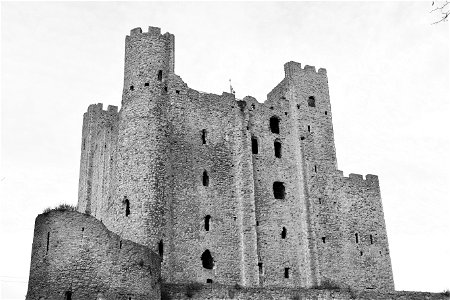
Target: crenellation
[(226, 190)]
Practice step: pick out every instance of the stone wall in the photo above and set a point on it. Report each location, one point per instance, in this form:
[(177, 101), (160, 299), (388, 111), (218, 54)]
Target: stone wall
[(75, 254), (216, 291)]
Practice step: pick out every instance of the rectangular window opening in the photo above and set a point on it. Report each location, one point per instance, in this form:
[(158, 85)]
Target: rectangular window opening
[(286, 272), (254, 145)]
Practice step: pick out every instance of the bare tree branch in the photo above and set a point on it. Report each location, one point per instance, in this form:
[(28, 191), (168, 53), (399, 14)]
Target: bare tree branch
[(444, 9)]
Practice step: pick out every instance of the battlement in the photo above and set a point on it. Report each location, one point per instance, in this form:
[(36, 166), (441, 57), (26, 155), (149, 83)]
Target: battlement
[(152, 31), (358, 178), (292, 67), (99, 108)]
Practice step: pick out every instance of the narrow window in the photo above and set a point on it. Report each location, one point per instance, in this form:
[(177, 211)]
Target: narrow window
[(312, 101), (207, 219), (165, 89), (371, 239), (360, 253), (204, 136), (146, 84), (68, 295), (326, 113), (207, 260), (48, 240), (127, 206), (277, 147), (356, 238), (209, 280), (120, 245), (320, 200), (323, 239), (298, 106), (286, 272), (309, 128), (205, 178), (278, 190), (260, 267), (254, 145), (315, 168), (275, 124), (161, 248), (160, 75), (82, 228), (283, 233), (131, 88)]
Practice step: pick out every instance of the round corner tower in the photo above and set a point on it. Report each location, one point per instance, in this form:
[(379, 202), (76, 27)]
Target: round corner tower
[(141, 160)]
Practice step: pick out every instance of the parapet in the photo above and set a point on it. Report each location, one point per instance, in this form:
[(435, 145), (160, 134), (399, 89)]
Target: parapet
[(98, 108), (358, 178), (292, 67), (153, 31)]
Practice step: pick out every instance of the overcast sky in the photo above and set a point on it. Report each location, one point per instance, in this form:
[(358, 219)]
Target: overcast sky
[(388, 72)]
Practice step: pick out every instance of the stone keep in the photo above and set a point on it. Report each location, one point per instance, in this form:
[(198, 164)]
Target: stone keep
[(228, 190)]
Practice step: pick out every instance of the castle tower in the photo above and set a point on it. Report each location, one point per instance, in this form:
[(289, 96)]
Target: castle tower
[(138, 199)]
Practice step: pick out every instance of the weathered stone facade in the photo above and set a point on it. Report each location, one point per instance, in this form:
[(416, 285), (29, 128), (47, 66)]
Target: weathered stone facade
[(225, 190), (74, 256)]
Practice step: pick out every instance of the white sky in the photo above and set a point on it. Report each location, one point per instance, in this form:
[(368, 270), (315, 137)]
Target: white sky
[(388, 72)]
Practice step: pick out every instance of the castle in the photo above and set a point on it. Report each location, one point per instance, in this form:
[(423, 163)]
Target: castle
[(182, 186)]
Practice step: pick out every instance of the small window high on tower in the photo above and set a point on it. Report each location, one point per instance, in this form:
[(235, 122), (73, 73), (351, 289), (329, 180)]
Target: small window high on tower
[(207, 260), (278, 190), (277, 148), (254, 145), (275, 125), (312, 101), (160, 75), (205, 178)]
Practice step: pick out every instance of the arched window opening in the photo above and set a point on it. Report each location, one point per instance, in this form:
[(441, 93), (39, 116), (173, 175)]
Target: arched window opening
[(356, 238), (207, 260), (207, 219), (68, 295), (127, 206), (161, 248), (261, 269), (277, 147), (311, 101), (254, 145), (209, 280), (278, 190), (284, 233), (286, 272), (275, 125), (160, 75), (203, 136), (205, 178)]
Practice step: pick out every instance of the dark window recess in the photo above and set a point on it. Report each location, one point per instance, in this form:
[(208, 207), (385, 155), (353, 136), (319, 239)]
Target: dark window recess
[(161, 248), (205, 178), (254, 145), (209, 280), (68, 295), (320, 200), (260, 267), (48, 240), (278, 190), (127, 206), (177, 91), (120, 245), (257, 223), (207, 260), (360, 253), (315, 168), (165, 89), (356, 238), (286, 272), (371, 239), (323, 239), (298, 106), (204, 136), (253, 106), (160, 75), (309, 128), (326, 113), (131, 88), (277, 147), (146, 84), (284, 233), (82, 228), (302, 138), (275, 125), (207, 219), (312, 101)]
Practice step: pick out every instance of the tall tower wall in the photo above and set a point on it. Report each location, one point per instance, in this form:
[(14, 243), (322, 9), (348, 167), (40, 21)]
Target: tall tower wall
[(137, 207)]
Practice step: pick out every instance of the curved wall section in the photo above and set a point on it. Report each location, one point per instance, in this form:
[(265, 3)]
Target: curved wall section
[(75, 254)]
